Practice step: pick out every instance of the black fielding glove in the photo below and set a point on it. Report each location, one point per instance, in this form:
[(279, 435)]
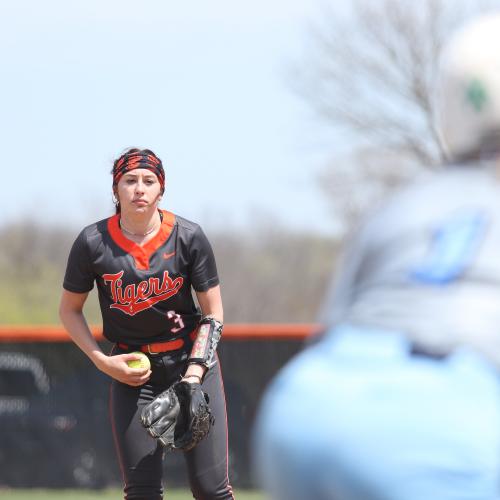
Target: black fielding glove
[(160, 417), (195, 417), (179, 417)]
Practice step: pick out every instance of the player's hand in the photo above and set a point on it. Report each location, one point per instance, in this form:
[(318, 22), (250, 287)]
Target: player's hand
[(117, 368)]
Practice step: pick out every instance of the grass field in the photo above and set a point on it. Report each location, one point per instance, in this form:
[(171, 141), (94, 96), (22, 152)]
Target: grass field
[(107, 495)]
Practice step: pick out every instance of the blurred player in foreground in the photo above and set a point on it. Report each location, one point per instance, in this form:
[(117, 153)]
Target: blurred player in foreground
[(145, 262), (400, 400)]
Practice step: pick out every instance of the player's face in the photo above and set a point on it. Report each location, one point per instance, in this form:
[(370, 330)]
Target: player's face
[(138, 191)]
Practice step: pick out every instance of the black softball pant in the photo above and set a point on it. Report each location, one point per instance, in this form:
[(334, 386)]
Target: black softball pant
[(141, 456)]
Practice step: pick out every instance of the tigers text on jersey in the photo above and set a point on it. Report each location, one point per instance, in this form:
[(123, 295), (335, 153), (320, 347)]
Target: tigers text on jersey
[(144, 291)]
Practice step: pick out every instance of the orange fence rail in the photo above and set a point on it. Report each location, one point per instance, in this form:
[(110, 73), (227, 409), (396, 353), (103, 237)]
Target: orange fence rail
[(237, 331)]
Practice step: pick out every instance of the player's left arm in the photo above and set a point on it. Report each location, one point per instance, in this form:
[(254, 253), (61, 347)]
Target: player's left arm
[(211, 303), (208, 334)]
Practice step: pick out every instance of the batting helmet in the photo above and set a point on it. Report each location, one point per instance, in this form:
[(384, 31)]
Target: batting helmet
[(468, 90)]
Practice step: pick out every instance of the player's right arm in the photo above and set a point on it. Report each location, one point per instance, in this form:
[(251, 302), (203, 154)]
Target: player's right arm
[(73, 319)]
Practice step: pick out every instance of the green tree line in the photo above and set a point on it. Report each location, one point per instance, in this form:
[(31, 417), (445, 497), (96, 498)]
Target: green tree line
[(267, 274)]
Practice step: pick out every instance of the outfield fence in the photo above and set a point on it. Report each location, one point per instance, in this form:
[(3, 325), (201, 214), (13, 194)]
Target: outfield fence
[(54, 420)]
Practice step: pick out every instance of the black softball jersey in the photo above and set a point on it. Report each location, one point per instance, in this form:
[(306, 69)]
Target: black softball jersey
[(144, 290)]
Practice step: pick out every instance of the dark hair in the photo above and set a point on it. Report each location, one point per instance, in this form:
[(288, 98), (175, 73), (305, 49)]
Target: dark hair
[(134, 152)]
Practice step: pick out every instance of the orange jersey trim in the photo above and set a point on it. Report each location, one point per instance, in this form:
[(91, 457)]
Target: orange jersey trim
[(142, 253)]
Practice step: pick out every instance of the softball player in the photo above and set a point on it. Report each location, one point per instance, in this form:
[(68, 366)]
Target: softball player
[(400, 400), (145, 261)]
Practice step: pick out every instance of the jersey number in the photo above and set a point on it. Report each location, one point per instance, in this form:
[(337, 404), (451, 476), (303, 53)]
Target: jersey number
[(177, 321), (453, 248)]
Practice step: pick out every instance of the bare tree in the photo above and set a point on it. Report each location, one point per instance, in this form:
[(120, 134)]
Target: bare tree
[(358, 182), (370, 71), (273, 274)]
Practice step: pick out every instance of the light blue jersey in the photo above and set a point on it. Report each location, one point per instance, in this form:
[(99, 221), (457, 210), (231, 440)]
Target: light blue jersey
[(428, 264), (357, 417), (400, 398)]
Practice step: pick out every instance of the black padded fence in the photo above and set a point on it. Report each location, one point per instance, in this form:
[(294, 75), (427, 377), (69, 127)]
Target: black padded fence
[(54, 421)]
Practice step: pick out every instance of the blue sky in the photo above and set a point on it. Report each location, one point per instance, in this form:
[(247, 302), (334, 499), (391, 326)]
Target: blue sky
[(203, 84)]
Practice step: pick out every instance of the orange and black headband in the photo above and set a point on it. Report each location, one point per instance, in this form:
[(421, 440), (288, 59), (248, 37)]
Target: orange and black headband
[(135, 160)]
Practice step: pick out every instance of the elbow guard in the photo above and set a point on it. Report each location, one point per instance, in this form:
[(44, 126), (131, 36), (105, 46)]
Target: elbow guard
[(205, 344)]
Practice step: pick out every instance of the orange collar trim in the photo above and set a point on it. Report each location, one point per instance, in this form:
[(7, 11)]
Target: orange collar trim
[(142, 253)]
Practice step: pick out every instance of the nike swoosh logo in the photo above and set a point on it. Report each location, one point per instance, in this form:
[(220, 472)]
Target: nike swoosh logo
[(168, 255)]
